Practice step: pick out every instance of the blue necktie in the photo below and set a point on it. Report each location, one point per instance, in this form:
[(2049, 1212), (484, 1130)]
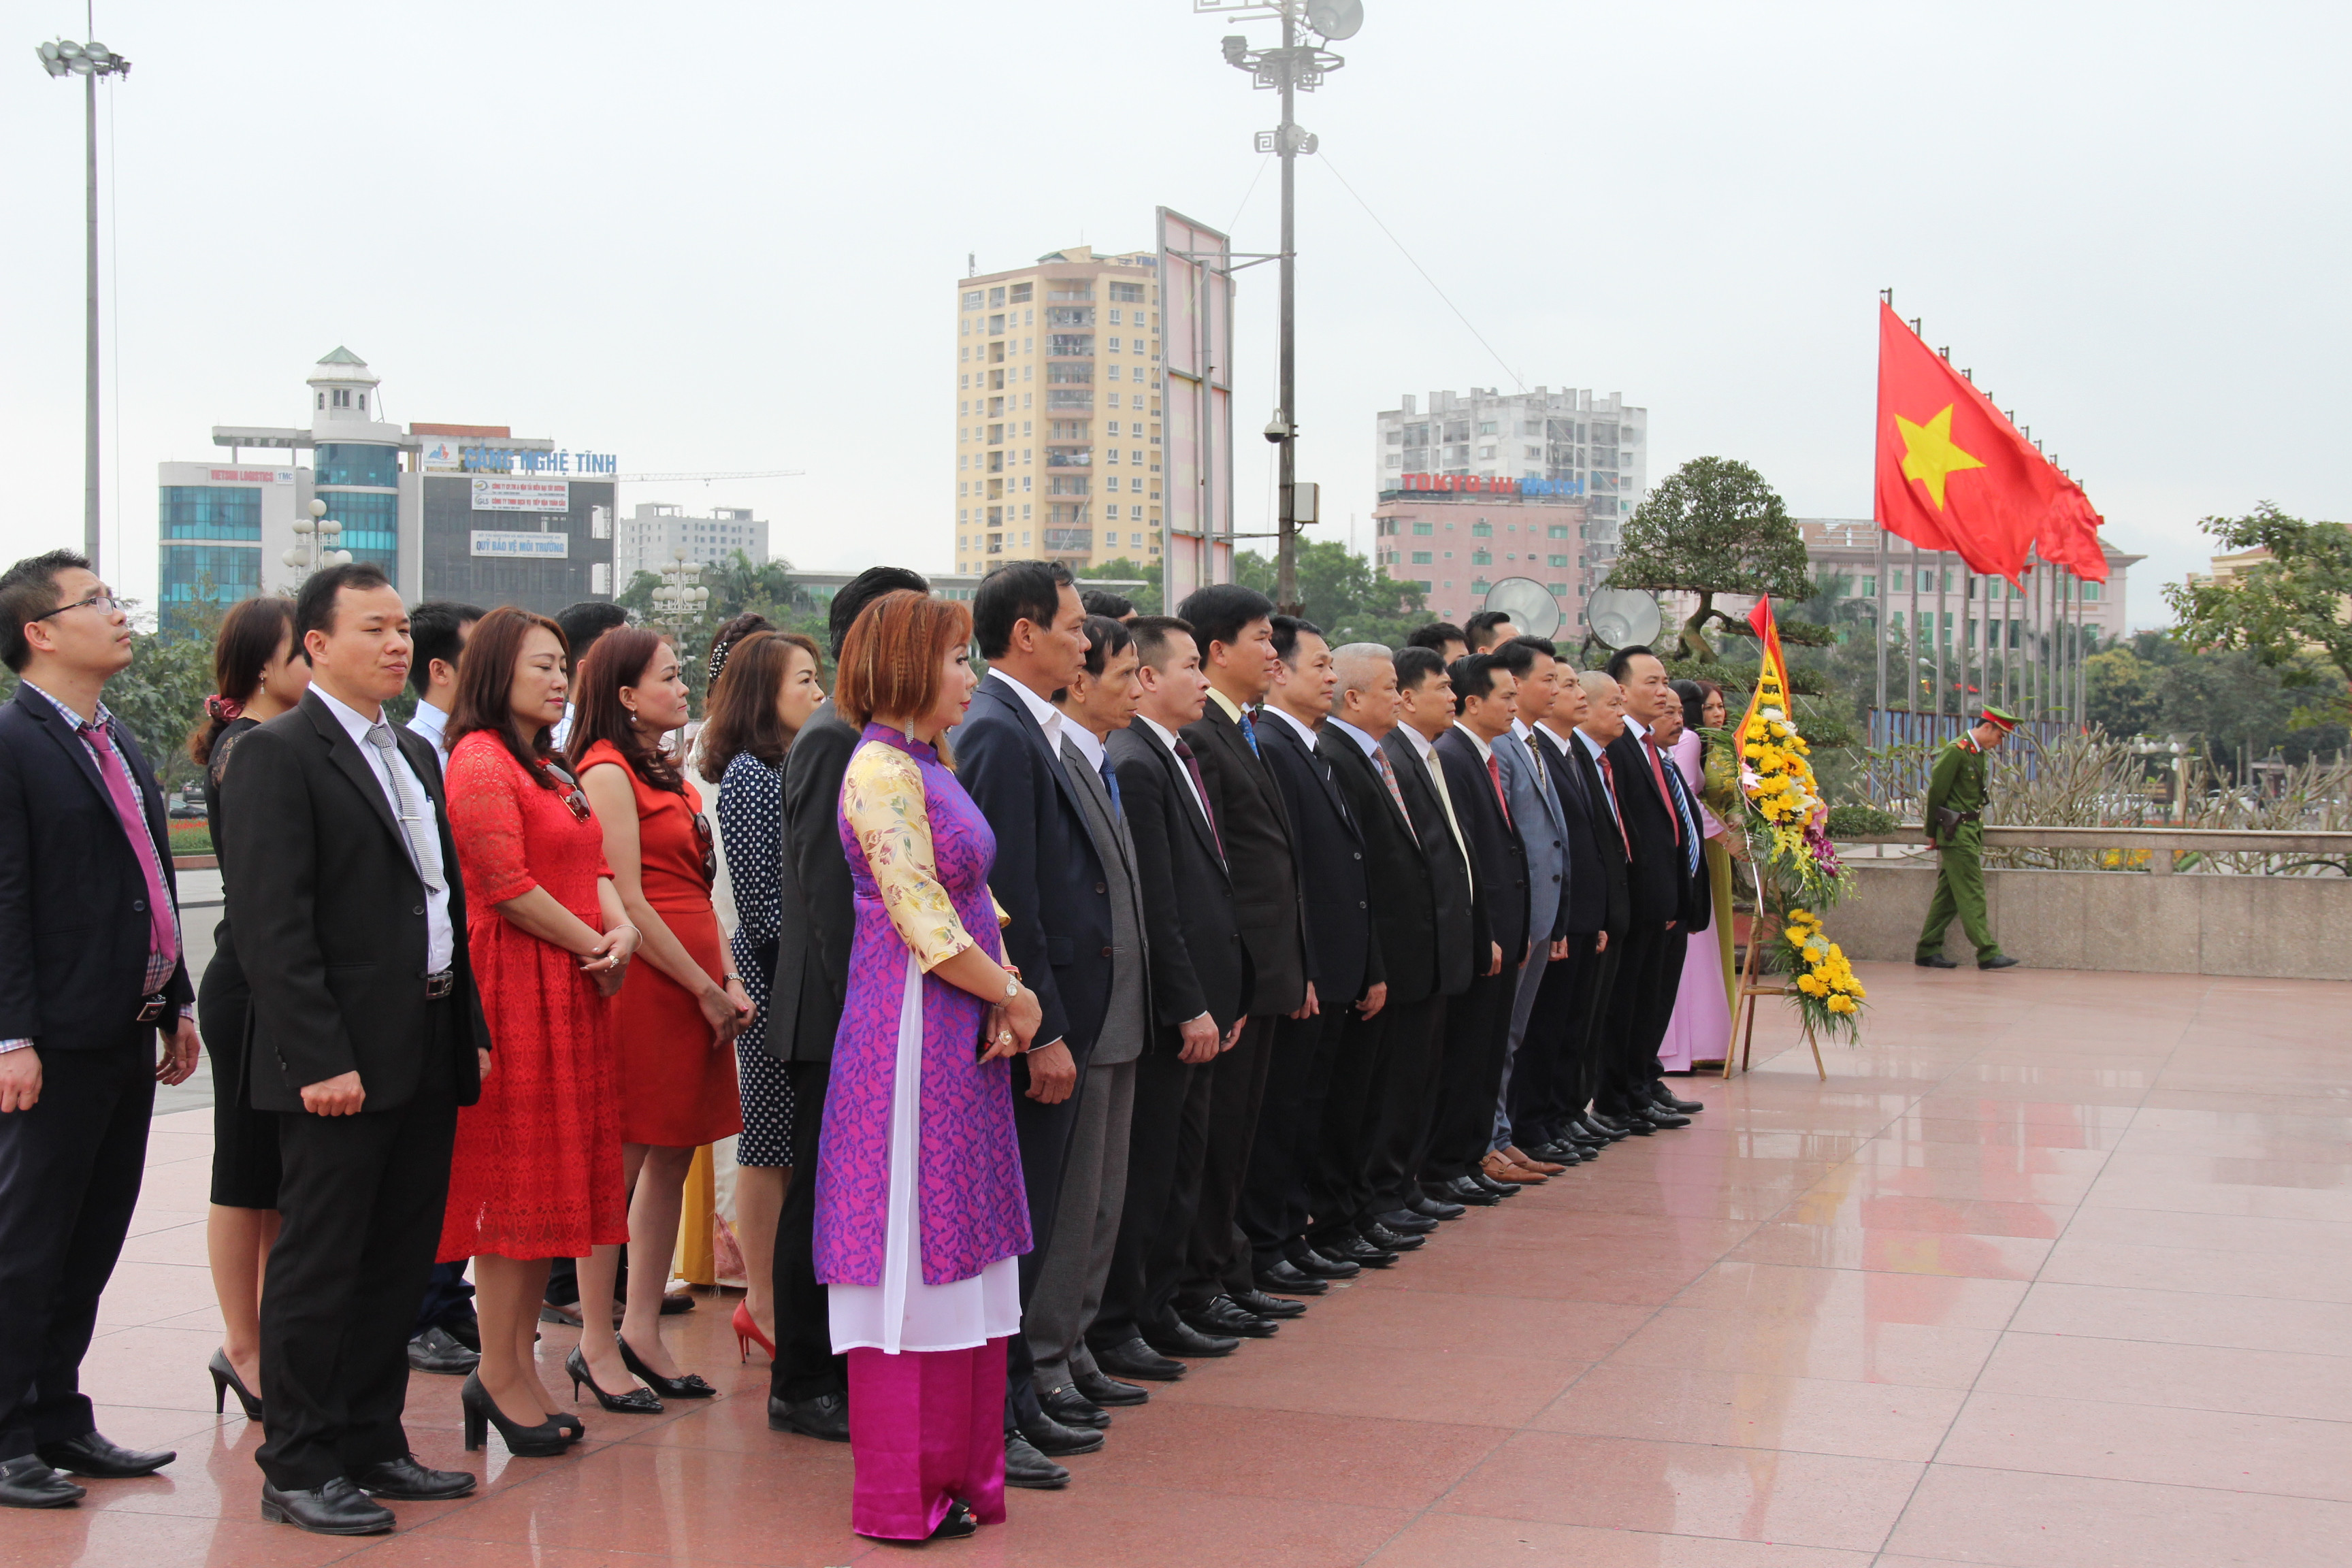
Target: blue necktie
[(1673, 777), (1110, 782), (1249, 733)]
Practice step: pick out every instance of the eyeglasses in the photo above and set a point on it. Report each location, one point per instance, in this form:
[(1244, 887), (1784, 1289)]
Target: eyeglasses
[(710, 848), (576, 800), (104, 603)]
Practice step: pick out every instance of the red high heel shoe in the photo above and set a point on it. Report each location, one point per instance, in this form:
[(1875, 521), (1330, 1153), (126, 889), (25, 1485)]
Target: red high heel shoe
[(747, 1329)]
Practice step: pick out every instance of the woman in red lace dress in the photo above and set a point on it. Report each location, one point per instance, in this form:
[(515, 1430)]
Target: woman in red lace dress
[(537, 1169)]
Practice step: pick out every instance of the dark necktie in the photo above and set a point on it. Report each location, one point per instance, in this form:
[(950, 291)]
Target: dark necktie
[(1608, 783), (1494, 772), (1193, 767), (1686, 825), (1110, 782)]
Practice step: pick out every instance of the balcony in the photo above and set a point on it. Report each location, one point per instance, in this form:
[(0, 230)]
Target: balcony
[(1069, 315), (1070, 345), (1069, 457), (1069, 485), (1069, 398), (1066, 375)]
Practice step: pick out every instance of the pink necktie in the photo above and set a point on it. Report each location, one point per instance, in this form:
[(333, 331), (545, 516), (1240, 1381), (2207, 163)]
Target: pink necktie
[(164, 936)]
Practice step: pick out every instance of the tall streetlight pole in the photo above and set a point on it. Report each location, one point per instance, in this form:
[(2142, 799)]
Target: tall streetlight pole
[(63, 57), (1292, 68)]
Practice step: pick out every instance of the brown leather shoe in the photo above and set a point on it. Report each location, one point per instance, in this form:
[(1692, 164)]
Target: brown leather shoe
[(1529, 1163), (1500, 1169)]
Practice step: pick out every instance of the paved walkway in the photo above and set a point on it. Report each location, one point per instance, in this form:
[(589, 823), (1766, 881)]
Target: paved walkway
[(2052, 1273)]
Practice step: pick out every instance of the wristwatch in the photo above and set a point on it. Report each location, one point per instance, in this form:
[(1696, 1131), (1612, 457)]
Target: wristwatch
[(1012, 986)]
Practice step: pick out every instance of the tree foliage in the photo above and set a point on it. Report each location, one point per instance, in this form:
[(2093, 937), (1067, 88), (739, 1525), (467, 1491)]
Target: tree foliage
[(1714, 526), (1350, 598), (1149, 599), (2282, 610)]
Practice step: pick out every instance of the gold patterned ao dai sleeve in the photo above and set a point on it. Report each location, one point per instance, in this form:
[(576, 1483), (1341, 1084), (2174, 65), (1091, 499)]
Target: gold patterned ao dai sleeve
[(882, 800)]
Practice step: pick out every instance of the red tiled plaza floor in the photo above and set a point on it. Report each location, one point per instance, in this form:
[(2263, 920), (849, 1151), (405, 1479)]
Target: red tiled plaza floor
[(2052, 1273)]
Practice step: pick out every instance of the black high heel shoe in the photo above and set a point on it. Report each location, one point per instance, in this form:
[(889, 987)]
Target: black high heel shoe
[(687, 1387), (636, 1401), (225, 1381), (542, 1441)]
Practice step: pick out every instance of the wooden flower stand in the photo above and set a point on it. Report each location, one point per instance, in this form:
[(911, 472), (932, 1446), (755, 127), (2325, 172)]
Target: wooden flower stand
[(1763, 927)]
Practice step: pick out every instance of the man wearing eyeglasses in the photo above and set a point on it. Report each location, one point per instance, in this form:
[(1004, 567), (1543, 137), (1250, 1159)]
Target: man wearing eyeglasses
[(93, 973)]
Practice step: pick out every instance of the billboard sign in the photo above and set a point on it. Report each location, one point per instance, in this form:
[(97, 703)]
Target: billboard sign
[(507, 545), (252, 476), (499, 492)]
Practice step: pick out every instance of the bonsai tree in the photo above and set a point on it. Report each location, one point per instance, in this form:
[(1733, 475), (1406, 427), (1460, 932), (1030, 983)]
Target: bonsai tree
[(1712, 527)]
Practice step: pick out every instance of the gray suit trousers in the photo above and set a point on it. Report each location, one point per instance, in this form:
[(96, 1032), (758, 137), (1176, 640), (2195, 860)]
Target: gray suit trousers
[(1086, 1228)]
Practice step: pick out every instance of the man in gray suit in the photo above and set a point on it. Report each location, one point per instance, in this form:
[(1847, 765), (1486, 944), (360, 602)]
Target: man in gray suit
[(1069, 1290), (1543, 827)]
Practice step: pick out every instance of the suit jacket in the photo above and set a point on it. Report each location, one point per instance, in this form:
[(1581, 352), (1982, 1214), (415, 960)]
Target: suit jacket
[(820, 912), (1344, 950), (1403, 892), (1047, 875), (1461, 919), (1198, 964), (1121, 1038), (1502, 859), (74, 921), (1655, 877), (1261, 860), (1597, 896), (1536, 811), (317, 878)]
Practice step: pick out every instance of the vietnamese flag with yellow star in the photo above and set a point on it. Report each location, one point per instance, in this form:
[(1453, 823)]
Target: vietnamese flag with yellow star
[(1954, 474)]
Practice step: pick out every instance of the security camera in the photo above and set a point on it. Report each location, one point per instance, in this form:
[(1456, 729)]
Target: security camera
[(1277, 429)]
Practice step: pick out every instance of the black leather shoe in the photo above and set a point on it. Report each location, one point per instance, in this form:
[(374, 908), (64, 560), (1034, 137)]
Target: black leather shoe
[(1179, 1337), (1387, 1241), (1935, 961), (825, 1416), (1071, 1408), (2001, 960), (1265, 1305), (1438, 1209), (1635, 1125), (1286, 1279), (26, 1482), (1026, 1466), (436, 1350), (91, 1455), (1110, 1391), (1608, 1129), (1404, 1222), (1223, 1315), (406, 1480), (1664, 1098), (1133, 1358), (338, 1508), (1487, 1184), (1321, 1262), (1356, 1250), (1463, 1190), (1659, 1115), (1052, 1438), (1560, 1151)]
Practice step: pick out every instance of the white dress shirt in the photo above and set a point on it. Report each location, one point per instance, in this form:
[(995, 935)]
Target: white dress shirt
[(440, 938), (1364, 742), (1049, 717), (1083, 739), (1306, 734), (433, 725)]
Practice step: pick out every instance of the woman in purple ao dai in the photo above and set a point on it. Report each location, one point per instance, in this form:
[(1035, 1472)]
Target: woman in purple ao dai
[(920, 1211)]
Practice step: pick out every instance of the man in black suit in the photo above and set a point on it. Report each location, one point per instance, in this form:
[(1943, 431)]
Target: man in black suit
[(1200, 980), (1030, 627), (1234, 627), (1406, 926), (365, 1036), (90, 921), (1407, 1114), (1480, 1030), (1548, 1104), (1666, 861), (808, 1389), (1344, 955)]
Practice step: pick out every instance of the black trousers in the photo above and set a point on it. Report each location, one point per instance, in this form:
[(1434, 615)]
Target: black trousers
[(69, 1170), (1554, 1077), (1477, 1035), (1217, 1256), (1405, 1102), (363, 1202), (1633, 1021), (1339, 1184), (1044, 1133), (806, 1365), (1301, 1062), (1166, 1143)]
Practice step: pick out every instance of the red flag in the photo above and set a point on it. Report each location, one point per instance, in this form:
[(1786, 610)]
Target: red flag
[(1953, 472), (1767, 631), (2070, 537)]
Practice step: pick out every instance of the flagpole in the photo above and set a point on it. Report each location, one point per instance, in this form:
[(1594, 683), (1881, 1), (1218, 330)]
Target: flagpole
[(1911, 639), (1879, 615), (1942, 575)]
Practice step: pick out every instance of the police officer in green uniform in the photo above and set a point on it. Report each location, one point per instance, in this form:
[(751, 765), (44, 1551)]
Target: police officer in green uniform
[(1955, 821)]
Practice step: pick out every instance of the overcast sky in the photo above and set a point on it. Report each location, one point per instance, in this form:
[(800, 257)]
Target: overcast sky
[(726, 237)]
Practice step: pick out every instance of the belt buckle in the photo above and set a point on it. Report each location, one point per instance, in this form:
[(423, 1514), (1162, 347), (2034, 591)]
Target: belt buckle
[(436, 986)]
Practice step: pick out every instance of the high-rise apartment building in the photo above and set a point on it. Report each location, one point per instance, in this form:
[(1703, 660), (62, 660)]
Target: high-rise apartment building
[(1596, 447), (647, 540), (1058, 444)]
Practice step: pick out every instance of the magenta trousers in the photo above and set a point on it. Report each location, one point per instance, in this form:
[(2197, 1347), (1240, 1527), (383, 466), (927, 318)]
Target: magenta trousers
[(926, 1429)]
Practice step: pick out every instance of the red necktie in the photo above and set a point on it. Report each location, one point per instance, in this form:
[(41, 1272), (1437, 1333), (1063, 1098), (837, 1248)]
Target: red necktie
[(1658, 776), (1609, 781), (1192, 766), (1494, 772)]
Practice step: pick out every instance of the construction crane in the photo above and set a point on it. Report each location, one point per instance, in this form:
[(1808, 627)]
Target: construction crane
[(705, 478)]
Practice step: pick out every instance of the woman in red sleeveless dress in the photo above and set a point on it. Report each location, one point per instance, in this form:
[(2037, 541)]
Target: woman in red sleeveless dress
[(682, 1005), (537, 1169)]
